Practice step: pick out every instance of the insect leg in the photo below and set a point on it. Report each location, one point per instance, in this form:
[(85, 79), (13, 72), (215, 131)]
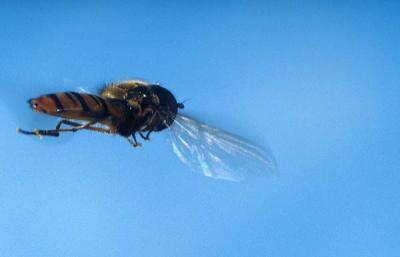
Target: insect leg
[(39, 132), (101, 130), (56, 132), (67, 122), (145, 137), (150, 121), (53, 132), (134, 142), (77, 125)]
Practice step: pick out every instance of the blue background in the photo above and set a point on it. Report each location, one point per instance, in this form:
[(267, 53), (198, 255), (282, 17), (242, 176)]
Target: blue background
[(318, 82)]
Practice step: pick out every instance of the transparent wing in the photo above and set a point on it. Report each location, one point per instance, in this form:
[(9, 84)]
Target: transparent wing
[(216, 153)]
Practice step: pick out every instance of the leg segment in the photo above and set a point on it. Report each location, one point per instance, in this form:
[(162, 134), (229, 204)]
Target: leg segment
[(133, 141), (56, 132), (77, 125), (145, 137)]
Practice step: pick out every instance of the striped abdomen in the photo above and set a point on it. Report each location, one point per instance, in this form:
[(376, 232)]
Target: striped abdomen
[(72, 105)]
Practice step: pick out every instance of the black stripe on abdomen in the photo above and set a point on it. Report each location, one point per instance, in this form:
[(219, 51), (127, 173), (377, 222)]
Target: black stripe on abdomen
[(70, 96), (57, 102), (95, 98), (85, 107), (104, 104)]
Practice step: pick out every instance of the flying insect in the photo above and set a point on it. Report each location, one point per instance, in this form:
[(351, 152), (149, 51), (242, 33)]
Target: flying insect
[(134, 107), (125, 108)]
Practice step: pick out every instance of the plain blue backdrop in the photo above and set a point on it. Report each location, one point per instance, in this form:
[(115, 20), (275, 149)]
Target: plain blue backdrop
[(318, 81)]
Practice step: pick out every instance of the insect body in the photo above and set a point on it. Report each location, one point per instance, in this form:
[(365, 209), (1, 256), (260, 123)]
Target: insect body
[(131, 107), (124, 108)]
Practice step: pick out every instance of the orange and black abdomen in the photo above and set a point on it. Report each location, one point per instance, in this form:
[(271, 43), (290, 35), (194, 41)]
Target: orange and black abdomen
[(72, 105)]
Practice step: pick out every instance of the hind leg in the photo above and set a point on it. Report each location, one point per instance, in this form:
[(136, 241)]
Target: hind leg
[(56, 132)]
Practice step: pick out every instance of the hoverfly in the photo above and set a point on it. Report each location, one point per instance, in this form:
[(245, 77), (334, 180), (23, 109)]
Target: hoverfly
[(134, 107)]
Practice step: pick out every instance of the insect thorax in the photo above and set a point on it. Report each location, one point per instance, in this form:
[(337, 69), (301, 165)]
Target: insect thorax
[(155, 106)]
